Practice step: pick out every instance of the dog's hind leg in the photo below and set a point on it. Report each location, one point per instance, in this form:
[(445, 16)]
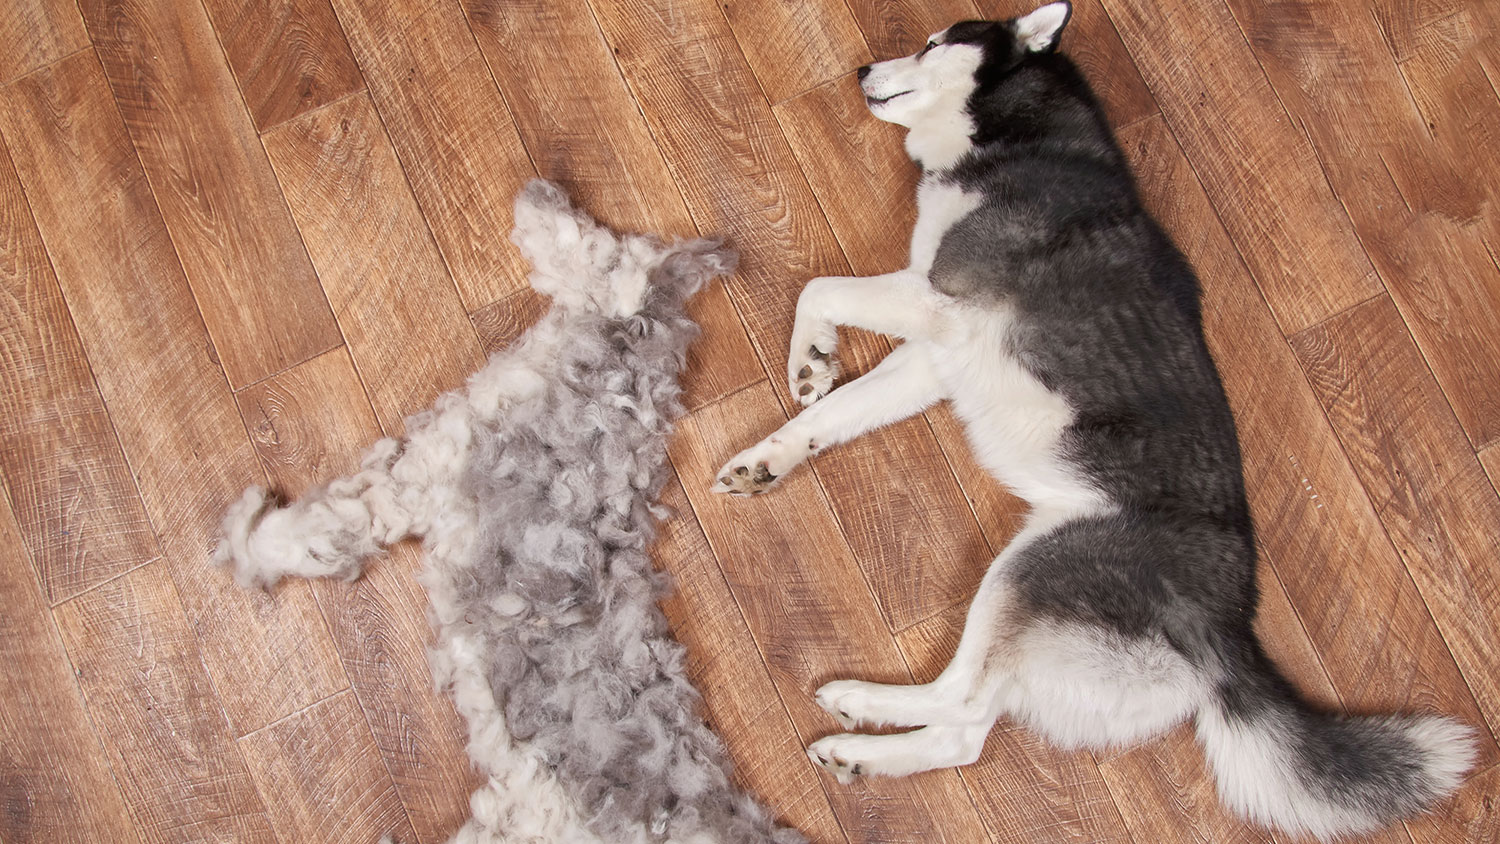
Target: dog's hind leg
[(849, 755), (902, 304), (902, 385), (969, 691)]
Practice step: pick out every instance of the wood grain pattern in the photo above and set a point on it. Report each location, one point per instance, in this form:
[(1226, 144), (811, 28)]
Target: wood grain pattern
[(1316, 525), (151, 700), (37, 32), (1473, 816), (310, 424), (321, 777), (1165, 792), (289, 56), (1490, 457), (259, 297), (1026, 789), (378, 262), (1410, 206), (55, 780), (806, 604), (740, 702), (1413, 459), (584, 130), (452, 131), (165, 391), (895, 28), (1258, 170), (792, 47), (75, 500)]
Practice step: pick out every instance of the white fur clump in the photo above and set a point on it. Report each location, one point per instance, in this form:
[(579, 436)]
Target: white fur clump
[(531, 490)]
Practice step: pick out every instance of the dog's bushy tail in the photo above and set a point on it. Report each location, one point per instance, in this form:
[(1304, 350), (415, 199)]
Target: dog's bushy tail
[(1291, 768)]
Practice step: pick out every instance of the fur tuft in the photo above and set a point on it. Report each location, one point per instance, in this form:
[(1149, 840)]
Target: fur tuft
[(1310, 773)]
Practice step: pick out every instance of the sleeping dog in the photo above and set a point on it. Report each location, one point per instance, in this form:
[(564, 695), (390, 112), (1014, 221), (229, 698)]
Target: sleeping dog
[(1062, 323)]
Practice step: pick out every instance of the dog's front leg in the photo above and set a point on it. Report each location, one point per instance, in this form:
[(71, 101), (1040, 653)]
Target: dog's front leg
[(900, 303), (902, 385)]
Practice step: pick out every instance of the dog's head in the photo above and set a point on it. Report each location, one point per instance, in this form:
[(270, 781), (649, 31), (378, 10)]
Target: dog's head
[(930, 91), (584, 266)]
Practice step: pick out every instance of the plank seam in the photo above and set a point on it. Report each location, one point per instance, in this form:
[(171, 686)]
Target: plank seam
[(759, 648)]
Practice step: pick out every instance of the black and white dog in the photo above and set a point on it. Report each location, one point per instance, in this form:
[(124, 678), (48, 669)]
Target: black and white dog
[(1064, 326)]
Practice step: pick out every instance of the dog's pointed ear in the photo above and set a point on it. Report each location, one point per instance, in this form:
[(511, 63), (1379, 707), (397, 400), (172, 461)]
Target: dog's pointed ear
[(1039, 31)]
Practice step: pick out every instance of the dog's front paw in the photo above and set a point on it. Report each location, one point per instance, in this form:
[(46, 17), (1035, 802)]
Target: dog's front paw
[(837, 754), (756, 469), (846, 701), (810, 375)]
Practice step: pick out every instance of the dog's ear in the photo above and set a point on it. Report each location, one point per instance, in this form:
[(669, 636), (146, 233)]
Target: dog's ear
[(1039, 31)]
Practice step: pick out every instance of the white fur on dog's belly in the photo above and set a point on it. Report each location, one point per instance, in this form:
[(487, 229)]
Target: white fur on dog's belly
[(939, 206), (1082, 686), (1014, 423)]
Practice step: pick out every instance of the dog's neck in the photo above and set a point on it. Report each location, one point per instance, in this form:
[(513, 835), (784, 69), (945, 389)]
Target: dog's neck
[(939, 143)]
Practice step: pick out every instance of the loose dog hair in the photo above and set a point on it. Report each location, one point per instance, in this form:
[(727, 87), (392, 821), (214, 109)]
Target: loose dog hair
[(531, 489)]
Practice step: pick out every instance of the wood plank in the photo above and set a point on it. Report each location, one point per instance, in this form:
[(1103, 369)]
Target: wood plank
[(1316, 525), (55, 779), (238, 247), (895, 28), (584, 130), (378, 262), (1407, 24), (740, 703), (1412, 457), (77, 505), (1258, 170), (1026, 789), (452, 131), (151, 700), (1490, 457), (310, 424), (37, 32), (289, 56), (910, 526), (803, 598), (792, 47), (501, 323), (1409, 202), (321, 777), (1091, 40), (1473, 816), (164, 390), (1165, 791), (728, 156)]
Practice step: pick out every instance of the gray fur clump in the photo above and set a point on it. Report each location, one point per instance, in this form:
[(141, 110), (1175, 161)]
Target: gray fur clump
[(532, 491)]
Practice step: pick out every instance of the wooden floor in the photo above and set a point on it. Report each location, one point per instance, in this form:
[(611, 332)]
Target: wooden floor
[(241, 239)]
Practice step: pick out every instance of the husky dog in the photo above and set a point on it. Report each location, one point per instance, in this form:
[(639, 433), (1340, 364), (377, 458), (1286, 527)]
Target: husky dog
[(1060, 320)]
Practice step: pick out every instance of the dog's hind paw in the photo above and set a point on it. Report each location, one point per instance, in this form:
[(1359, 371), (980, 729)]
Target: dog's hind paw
[(810, 375)]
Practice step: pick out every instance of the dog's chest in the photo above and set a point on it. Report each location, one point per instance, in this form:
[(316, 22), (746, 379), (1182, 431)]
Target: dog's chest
[(939, 205)]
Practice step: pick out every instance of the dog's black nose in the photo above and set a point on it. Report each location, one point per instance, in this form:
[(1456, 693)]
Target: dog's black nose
[(863, 72)]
